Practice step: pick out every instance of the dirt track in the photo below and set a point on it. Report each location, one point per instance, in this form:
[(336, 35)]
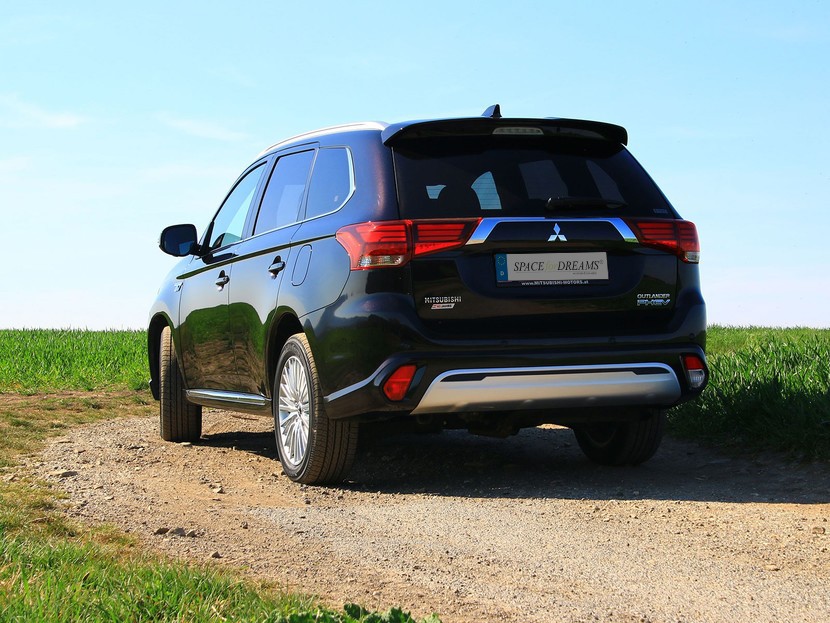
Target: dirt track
[(476, 529)]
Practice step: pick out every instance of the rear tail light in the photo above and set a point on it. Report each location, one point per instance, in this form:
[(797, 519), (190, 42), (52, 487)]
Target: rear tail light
[(397, 385), (372, 245), (676, 237), (695, 371), (394, 243)]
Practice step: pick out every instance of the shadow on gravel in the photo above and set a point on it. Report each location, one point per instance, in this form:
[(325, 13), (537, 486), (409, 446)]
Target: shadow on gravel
[(260, 443), (547, 463)]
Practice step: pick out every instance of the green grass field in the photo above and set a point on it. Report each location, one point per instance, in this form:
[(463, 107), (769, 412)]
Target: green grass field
[(770, 390), (44, 360)]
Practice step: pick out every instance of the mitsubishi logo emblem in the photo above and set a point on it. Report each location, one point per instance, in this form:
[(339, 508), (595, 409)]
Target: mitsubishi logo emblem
[(556, 235)]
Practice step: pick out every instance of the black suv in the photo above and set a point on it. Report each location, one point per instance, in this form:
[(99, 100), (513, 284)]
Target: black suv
[(482, 273)]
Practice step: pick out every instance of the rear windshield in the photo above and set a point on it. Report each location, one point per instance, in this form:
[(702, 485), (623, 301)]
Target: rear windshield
[(520, 177)]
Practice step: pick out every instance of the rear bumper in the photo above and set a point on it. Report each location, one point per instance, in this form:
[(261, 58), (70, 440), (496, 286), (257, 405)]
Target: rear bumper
[(497, 389), (367, 338), (510, 382)]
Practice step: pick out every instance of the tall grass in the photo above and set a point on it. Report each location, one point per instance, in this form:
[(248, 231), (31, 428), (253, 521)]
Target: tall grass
[(41, 360), (769, 390)]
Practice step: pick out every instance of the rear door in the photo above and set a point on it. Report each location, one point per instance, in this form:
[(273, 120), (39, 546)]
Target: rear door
[(264, 260), (555, 250)]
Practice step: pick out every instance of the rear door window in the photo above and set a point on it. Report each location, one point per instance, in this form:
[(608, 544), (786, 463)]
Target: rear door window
[(284, 194)]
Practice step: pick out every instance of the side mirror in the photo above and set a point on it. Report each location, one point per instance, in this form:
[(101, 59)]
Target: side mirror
[(179, 240)]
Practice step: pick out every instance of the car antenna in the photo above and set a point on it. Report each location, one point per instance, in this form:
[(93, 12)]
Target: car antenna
[(494, 112)]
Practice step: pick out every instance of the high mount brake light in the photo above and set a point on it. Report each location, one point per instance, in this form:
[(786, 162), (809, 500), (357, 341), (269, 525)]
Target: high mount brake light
[(394, 243), (676, 237)]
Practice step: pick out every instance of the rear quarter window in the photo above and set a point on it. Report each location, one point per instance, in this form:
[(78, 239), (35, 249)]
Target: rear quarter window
[(332, 181)]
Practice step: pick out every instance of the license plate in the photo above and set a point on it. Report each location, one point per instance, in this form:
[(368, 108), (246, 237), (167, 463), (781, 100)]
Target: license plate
[(551, 269)]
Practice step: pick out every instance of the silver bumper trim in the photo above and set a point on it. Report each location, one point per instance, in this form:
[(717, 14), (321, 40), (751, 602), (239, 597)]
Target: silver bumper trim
[(224, 398), (493, 389)]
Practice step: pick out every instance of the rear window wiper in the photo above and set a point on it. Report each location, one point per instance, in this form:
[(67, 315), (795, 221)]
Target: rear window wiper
[(576, 203)]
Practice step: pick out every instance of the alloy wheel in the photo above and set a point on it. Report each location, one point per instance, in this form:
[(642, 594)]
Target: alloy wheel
[(294, 411)]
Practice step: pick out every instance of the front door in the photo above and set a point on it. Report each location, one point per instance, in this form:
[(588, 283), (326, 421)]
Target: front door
[(208, 360)]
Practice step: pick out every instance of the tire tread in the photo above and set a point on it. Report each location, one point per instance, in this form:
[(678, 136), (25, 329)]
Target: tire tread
[(179, 420), (631, 443), (332, 443)]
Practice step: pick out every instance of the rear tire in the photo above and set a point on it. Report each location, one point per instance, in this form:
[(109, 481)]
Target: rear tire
[(313, 449), (179, 420), (623, 443)]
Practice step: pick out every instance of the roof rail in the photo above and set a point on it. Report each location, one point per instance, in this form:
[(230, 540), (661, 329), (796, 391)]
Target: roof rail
[(347, 127)]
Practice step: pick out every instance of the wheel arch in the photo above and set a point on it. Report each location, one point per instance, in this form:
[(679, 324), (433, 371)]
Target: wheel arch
[(285, 327)]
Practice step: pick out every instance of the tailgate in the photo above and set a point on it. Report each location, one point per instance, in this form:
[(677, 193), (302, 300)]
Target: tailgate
[(547, 276)]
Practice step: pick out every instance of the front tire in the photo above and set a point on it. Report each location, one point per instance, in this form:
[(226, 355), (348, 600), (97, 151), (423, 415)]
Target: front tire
[(622, 443), (179, 420), (312, 448)]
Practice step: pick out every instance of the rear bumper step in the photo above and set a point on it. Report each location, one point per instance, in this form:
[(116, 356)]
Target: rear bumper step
[(493, 389)]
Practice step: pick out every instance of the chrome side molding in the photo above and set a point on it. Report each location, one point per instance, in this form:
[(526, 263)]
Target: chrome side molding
[(223, 399)]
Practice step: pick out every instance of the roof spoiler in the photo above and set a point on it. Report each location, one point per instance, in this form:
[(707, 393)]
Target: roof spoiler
[(491, 122)]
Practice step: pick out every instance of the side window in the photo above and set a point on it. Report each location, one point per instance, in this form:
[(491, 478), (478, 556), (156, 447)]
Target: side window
[(284, 193), (228, 224), (332, 182)]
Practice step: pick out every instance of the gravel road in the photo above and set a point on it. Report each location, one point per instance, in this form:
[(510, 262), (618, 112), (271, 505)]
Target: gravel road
[(476, 529)]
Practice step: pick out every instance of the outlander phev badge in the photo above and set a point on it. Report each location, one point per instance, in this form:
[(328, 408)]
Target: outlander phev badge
[(556, 235)]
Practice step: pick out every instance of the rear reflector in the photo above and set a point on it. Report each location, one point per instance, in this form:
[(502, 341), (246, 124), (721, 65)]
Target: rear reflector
[(676, 237), (394, 243), (695, 371), (397, 385)]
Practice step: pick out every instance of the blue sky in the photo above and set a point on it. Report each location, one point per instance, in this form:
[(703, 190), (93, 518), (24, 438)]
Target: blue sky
[(117, 119)]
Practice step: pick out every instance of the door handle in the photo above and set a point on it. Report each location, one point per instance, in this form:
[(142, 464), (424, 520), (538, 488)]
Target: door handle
[(277, 267), (222, 281)]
